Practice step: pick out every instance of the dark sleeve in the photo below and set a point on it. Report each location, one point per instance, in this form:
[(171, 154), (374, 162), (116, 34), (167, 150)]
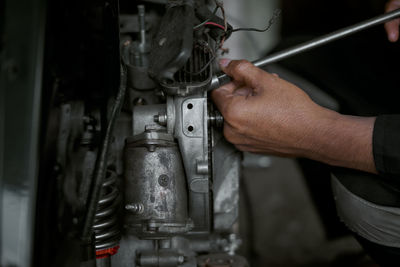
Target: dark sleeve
[(386, 145)]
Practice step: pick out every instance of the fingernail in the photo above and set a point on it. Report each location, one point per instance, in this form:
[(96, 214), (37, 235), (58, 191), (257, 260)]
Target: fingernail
[(224, 62), (392, 37)]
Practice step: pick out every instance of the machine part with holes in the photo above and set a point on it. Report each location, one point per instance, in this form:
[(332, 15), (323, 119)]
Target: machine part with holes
[(155, 180), (190, 121), (192, 132), (187, 119)]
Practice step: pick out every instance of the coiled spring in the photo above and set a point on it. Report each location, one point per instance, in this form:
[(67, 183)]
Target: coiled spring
[(107, 234)]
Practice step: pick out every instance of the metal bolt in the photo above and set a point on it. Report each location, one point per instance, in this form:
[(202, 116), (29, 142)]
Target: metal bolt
[(151, 148), (136, 208), (181, 259), (161, 119), (216, 119), (163, 180)]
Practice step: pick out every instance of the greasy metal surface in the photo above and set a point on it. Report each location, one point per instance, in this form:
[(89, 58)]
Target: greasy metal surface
[(20, 85), (187, 119), (192, 117), (144, 116), (194, 151), (226, 184), (168, 175), (154, 178)]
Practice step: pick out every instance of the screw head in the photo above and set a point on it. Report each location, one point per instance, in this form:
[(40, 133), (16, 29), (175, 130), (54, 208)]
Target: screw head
[(163, 180)]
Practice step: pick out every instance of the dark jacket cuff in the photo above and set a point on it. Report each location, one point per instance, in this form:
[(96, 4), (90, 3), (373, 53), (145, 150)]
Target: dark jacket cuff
[(386, 145)]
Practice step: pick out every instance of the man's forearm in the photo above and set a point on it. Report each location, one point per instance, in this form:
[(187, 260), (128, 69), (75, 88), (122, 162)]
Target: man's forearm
[(265, 114), (342, 140)]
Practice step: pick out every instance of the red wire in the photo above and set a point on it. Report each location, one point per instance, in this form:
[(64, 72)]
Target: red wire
[(215, 24)]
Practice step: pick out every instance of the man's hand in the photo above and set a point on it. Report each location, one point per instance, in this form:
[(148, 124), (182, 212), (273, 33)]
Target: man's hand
[(392, 27), (262, 112), (265, 114)]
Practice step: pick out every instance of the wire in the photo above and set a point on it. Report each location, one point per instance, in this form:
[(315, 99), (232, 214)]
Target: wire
[(221, 5), (275, 16), (215, 24), (203, 68), (207, 20), (206, 45)]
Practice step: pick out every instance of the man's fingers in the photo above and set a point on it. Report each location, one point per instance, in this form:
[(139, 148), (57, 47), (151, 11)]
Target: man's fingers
[(392, 30), (243, 71), (223, 95), (392, 27)]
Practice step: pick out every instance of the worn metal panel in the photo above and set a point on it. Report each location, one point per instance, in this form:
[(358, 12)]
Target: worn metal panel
[(20, 84)]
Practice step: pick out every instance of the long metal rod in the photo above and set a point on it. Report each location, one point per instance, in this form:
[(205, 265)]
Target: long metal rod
[(220, 79)]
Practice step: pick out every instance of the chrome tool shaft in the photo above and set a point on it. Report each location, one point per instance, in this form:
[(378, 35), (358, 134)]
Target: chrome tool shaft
[(222, 78)]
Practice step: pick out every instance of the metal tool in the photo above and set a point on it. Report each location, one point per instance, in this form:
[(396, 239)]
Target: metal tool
[(222, 78)]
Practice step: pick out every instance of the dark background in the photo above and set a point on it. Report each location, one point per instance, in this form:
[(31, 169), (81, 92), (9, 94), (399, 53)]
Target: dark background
[(360, 71)]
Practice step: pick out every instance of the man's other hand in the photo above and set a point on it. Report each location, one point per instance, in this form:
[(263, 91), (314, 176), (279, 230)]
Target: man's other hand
[(392, 27)]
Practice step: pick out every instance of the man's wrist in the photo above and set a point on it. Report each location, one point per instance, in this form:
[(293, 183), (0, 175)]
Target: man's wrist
[(341, 140)]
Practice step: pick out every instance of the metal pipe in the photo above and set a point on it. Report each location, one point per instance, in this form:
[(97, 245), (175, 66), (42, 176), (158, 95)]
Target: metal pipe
[(142, 25), (222, 78)]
